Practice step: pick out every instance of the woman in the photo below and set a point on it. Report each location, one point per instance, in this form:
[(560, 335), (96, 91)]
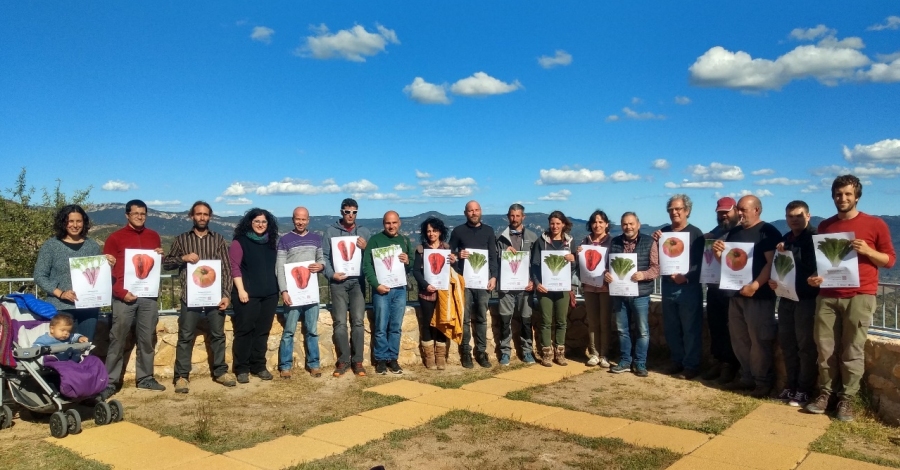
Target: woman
[(554, 305), (432, 342), (51, 271), (596, 299), (255, 296)]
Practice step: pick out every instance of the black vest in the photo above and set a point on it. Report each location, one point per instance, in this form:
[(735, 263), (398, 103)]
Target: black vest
[(258, 268), (642, 250)]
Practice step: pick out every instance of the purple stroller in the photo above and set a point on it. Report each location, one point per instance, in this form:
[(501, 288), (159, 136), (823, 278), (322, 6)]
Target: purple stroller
[(32, 378)]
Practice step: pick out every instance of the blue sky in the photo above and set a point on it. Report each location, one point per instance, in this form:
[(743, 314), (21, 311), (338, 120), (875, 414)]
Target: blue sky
[(424, 106)]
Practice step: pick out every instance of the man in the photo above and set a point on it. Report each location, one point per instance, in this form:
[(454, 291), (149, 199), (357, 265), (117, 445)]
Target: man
[(725, 365), (843, 315), (751, 310), (637, 308), (475, 235), (516, 238), (389, 302), (796, 318), (129, 311), (297, 246), (346, 293), (200, 243), (682, 295)]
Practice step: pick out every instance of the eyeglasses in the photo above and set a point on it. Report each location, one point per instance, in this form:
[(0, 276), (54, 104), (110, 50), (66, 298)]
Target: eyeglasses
[(137, 214), (348, 212), (261, 222), (675, 209)]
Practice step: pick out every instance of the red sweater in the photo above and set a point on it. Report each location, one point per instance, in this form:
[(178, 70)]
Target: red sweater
[(118, 241), (876, 234)]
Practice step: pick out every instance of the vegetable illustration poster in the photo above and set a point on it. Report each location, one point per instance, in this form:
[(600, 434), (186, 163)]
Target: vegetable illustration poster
[(674, 253), (556, 272), (437, 268), (475, 270), (345, 255), (302, 285), (836, 260), (710, 268), (784, 273), (204, 284), (389, 270), (592, 264), (91, 281), (737, 266), (622, 266), (142, 269), (514, 270)]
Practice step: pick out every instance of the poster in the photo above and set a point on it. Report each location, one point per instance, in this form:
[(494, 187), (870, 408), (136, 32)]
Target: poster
[(437, 268), (592, 264), (346, 257), (674, 253), (556, 272), (204, 283), (784, 273), (91, 281), (710, 267), (302, 285), (142, 270), (622, 266), (737, 268), (389, 270), (836, 260), (476, 272), (514, 270)]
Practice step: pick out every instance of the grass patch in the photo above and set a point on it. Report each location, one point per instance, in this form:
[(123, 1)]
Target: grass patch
[(866, 438)]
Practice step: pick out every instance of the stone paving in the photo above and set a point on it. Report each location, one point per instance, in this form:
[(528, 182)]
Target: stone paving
[(770, 437)]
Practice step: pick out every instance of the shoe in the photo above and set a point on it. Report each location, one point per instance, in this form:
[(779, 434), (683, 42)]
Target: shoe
[(394, 367), (181, 385), (381, 368), (819, 405), (243, 378), (547, 356), (151, 384), (226, 379), (340, 369), (426, 349), (799, 399), (440, 355), (844, 411), (687, 374), (109, 391), (640, 370), (466, 361), (593, 360), (620, 368), (358, 369), (504, 359), (603, 362), (482, 360), (713, 372), (729, 372), (761, 391), (559, 356), (739, 386), (314, 372), (284, 374), (786, 395), (673, 369), (263, 374), (528, 358)]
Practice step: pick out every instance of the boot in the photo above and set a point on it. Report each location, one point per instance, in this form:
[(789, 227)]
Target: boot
[(440, 355), (560, 356), (547, 356), (427, 349)]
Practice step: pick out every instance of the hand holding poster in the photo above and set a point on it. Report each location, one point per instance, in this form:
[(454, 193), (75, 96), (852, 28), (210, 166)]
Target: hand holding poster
[(475, 269), (346, 257), (737, 268), (622, 267), (784, 273), (592, 264), (674, 255), (514, 270), (91, 281), (389, 270), (836, 260), (437, 268), (710, 268), (302, 285), (142, 269), (556, 272), (204, 284)]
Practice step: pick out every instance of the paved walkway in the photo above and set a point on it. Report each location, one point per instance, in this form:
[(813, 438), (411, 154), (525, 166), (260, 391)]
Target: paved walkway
[(771, 437)]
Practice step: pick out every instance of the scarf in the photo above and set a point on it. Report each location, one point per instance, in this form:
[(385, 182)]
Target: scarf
[(261, 239)]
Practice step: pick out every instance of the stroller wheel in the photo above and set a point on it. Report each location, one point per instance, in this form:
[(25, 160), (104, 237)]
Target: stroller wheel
[(6, 417), (118, 411), (102, 413), (74, 421), (59, 426)]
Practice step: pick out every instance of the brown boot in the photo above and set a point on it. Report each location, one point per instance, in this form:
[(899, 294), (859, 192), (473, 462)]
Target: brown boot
[(560, 356), (440, 355), (547, 356), (427, 348)]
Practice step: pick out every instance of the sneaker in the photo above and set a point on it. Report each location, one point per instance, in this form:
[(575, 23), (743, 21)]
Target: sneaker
[(819, 405), (466, 361), (181, 385), (263, 374), (243, 378), (761, 391), (786, 395), (593, 361), (729, 372), (799, 399), (358, 369), (315, 372), (504, 359), (620, 368), (844, 411), (381, 368), (226, 379), (713, 372), (603, 362), (285, 374), (340, 369), (109, 391), (687, 374), (151, 384), (394, 367), (640, 370), (482, 360), (528, 358)]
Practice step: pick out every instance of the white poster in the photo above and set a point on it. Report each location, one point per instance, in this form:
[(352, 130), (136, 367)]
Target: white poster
[(303, 285), (622, 266), (204, 284), (437, 268), (784, 273), (346, 257), (592, 264), (142, 269), (475, 269), (674, 253), (836, 260), (737, 269), (710, 267), (91, 281), (556, 272), (514, 270), (389, 270)]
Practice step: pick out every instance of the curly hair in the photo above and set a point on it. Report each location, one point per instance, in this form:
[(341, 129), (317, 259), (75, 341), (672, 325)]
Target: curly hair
[(436, 224), (594, 215), (61, 221), (245, 226), (567, 224)]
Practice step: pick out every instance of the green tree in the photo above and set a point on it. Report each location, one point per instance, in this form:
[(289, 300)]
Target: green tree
[(25, 226)]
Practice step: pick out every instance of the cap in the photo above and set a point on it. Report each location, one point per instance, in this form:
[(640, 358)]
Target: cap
[(725, 204)]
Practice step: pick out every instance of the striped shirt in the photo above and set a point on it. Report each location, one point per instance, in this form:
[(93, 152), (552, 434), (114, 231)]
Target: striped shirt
[(211, 246), (294, 248)]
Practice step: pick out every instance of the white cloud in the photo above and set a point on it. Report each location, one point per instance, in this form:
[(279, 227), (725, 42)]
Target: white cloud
[(361, 186), (262, 34), (612, 118), (636, 100), (745, 192), (621, 177), (809, 34), (886, 152), (695, 184), (569, 176), (868, 171), (762, 172), (682, 100), (631, 114), (158, 203), (661, 164), (561, 195), (234, 201), (782, 181), (422, 174), (888, 57), (377, 196), (423, 92), (240, 189), (117, 185), (561, 57), (350, 44), (482, 84), (891, 22), (294, 186), (403, 187), (717, 172), (449, 187), (881, 72), (810, 189)]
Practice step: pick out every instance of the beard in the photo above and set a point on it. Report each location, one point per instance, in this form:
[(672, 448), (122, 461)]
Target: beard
[(201, 227)]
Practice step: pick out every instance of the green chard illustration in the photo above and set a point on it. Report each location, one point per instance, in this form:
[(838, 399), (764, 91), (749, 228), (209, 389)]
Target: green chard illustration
[(386, 255), (621, 266), (835, 249), (783, 265), (514, 259), (90, 267), (556, 263), (477, 261)]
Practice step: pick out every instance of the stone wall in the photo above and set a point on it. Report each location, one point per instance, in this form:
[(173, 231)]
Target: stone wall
[(883, 377)]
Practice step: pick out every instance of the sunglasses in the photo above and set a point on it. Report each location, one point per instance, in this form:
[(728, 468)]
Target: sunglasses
[(347, 212)]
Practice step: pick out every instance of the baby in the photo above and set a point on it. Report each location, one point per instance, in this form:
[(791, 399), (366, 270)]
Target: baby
[(61, 333)]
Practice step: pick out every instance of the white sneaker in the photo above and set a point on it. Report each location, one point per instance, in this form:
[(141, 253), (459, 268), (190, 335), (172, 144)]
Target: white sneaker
[(593, 361), (798, 399), (604, 363)]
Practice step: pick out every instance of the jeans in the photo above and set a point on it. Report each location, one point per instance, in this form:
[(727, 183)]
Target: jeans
[(682, 306), (627, 309), (796, 321), (840, 333), (348, 295), (717, 321), (252, 324), (554, 313), (309, 316), (475, 321), (598, 308), (389, 310), (187, 333), (85, 321), (515, 304), (753, 330), (142, 316)]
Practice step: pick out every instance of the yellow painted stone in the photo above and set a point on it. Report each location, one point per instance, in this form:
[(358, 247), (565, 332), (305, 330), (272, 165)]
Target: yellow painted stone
[(776, 433), (352, 431), (817, 461), (579, 422), (515, 410), (755, 454), (689, 462), (147, 454), (495, 386), (404, 388), (788, 415), (284, 452), (456, 399), (215, 462), (105, 438), (406, 413), (537, 375), (657, 435)]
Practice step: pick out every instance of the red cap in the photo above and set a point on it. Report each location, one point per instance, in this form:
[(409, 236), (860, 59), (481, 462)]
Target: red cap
[(725, 204)]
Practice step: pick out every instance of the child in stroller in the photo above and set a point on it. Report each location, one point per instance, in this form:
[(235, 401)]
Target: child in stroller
[(61, 333), (32, 377)]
